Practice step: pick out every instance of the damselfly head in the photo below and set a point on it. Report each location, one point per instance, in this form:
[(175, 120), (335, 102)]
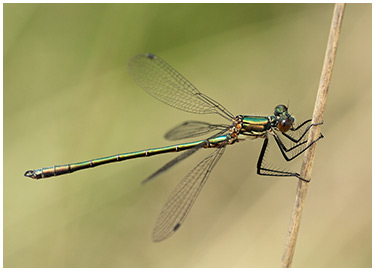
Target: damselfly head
[(284, 119)]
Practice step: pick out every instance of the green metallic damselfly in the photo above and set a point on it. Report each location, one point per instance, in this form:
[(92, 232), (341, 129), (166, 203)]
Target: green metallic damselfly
[(167, 85)]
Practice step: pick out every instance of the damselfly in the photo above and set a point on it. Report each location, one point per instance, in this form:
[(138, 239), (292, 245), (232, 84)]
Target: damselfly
[(167, 85)]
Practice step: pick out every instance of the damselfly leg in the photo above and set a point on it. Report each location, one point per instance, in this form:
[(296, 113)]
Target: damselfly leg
[(263, 170)]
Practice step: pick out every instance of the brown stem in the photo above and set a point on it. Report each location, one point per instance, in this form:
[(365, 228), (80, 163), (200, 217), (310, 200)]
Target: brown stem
[(325, 78)]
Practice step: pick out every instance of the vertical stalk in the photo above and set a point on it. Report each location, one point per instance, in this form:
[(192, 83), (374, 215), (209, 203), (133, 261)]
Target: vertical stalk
[(308, 161)]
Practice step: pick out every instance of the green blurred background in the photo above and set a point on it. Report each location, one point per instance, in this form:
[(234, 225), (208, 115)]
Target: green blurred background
[(68, 98)]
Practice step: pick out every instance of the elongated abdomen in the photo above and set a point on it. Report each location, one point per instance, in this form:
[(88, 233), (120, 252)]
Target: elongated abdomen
[(69, 168)]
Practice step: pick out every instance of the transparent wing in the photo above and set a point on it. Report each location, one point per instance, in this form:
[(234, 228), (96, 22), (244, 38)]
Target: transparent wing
[(174, 161), (165, 84), (190, 129), (183, 196)]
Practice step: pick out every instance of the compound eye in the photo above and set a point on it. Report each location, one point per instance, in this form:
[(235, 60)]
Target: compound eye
[(284, 125), (280, 109)]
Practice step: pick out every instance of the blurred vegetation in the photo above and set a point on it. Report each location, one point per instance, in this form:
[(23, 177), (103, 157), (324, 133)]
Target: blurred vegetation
[(68, 98)]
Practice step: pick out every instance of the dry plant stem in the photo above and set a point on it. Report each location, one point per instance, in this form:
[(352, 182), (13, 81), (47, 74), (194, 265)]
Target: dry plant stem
[(320, 103)]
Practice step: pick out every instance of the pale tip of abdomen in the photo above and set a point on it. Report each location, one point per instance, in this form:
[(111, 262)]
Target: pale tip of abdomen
[(31, 174)]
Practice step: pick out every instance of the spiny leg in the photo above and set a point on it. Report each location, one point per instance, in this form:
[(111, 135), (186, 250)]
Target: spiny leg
[(272, 172), (284, 150), (304, 133), (282, 145), (301, 125)]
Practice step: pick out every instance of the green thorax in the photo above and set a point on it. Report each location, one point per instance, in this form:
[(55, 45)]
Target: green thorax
[(255, 125)]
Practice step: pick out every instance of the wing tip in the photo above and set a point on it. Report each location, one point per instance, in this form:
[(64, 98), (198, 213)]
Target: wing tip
[(157, 237), (175, 228), (151, 56)]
